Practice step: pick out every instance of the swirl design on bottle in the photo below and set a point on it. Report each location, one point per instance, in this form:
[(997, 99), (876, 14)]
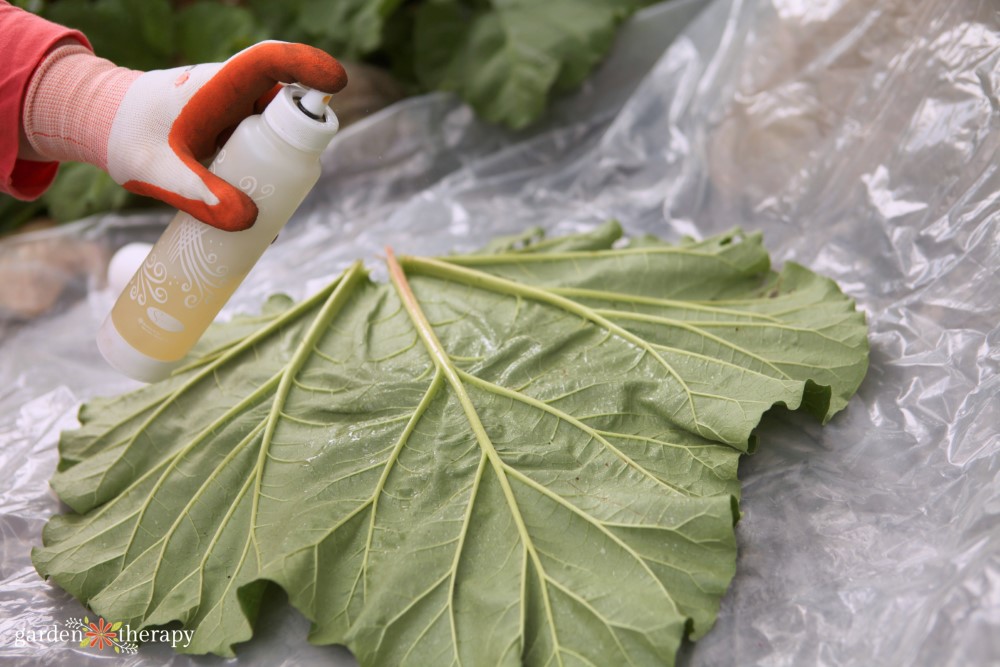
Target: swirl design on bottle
[(248, 184), (202, 277), (148, 282)]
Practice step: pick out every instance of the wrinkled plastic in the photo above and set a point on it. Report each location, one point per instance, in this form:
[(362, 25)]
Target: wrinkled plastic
[(860, 136)]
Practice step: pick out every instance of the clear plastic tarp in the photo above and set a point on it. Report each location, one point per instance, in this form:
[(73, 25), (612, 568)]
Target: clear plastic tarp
[(861, 136)]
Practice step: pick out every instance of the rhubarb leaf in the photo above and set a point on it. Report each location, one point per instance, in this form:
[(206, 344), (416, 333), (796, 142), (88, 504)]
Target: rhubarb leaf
[(525, 456), (506, 58)]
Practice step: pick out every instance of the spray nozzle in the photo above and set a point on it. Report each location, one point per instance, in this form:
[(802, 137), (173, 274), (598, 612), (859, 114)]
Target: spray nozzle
[(300, 117), (314, 103)]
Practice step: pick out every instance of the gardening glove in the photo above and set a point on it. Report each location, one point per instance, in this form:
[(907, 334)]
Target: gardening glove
[(151, 131)]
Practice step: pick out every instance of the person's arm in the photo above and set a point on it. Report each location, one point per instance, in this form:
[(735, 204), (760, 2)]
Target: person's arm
[(151, 131), (25, 40)]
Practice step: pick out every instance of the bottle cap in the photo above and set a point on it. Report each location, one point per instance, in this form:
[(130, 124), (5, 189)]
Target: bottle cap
[(302, 118)]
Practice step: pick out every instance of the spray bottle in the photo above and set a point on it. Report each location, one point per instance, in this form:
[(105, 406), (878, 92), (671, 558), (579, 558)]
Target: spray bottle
[(193, 269)]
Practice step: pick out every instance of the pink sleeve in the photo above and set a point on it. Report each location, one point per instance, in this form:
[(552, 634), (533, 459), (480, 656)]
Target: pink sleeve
[(24, 41)]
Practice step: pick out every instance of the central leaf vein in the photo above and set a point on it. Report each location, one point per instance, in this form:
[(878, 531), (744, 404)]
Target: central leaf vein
[(444, 364)]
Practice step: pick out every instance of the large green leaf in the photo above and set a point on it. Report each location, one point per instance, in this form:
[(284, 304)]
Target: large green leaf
[(212, 31), (506, 57), (83, 189), (525, 457), (14, 212), (131, 33), (348, 29)]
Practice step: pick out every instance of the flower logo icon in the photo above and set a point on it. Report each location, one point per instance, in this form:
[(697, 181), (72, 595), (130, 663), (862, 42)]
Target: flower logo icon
[(101, 634)]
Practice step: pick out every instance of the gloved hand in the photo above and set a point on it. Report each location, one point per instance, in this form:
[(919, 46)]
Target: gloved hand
[(150, 131)]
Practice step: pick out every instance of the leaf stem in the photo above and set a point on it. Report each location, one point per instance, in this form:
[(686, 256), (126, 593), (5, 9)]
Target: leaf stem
[(515, 258), (249, 341), (447, 270), (319, 326), (393, 457), (443, 363), (621, 297)]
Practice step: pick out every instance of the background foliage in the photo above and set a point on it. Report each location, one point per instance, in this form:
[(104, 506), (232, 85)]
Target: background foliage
[(506, 58)]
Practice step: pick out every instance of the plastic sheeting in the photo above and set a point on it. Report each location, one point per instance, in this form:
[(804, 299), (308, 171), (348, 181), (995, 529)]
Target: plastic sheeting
[(860, 136)]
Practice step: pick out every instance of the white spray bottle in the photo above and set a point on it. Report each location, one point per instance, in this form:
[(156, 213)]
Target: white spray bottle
[(194, 268)]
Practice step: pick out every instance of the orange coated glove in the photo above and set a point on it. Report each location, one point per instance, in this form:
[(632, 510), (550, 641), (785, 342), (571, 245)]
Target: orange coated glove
[(151, 131)]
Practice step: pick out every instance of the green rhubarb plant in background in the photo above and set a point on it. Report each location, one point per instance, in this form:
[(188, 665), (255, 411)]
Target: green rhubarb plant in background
[(523, 456)]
